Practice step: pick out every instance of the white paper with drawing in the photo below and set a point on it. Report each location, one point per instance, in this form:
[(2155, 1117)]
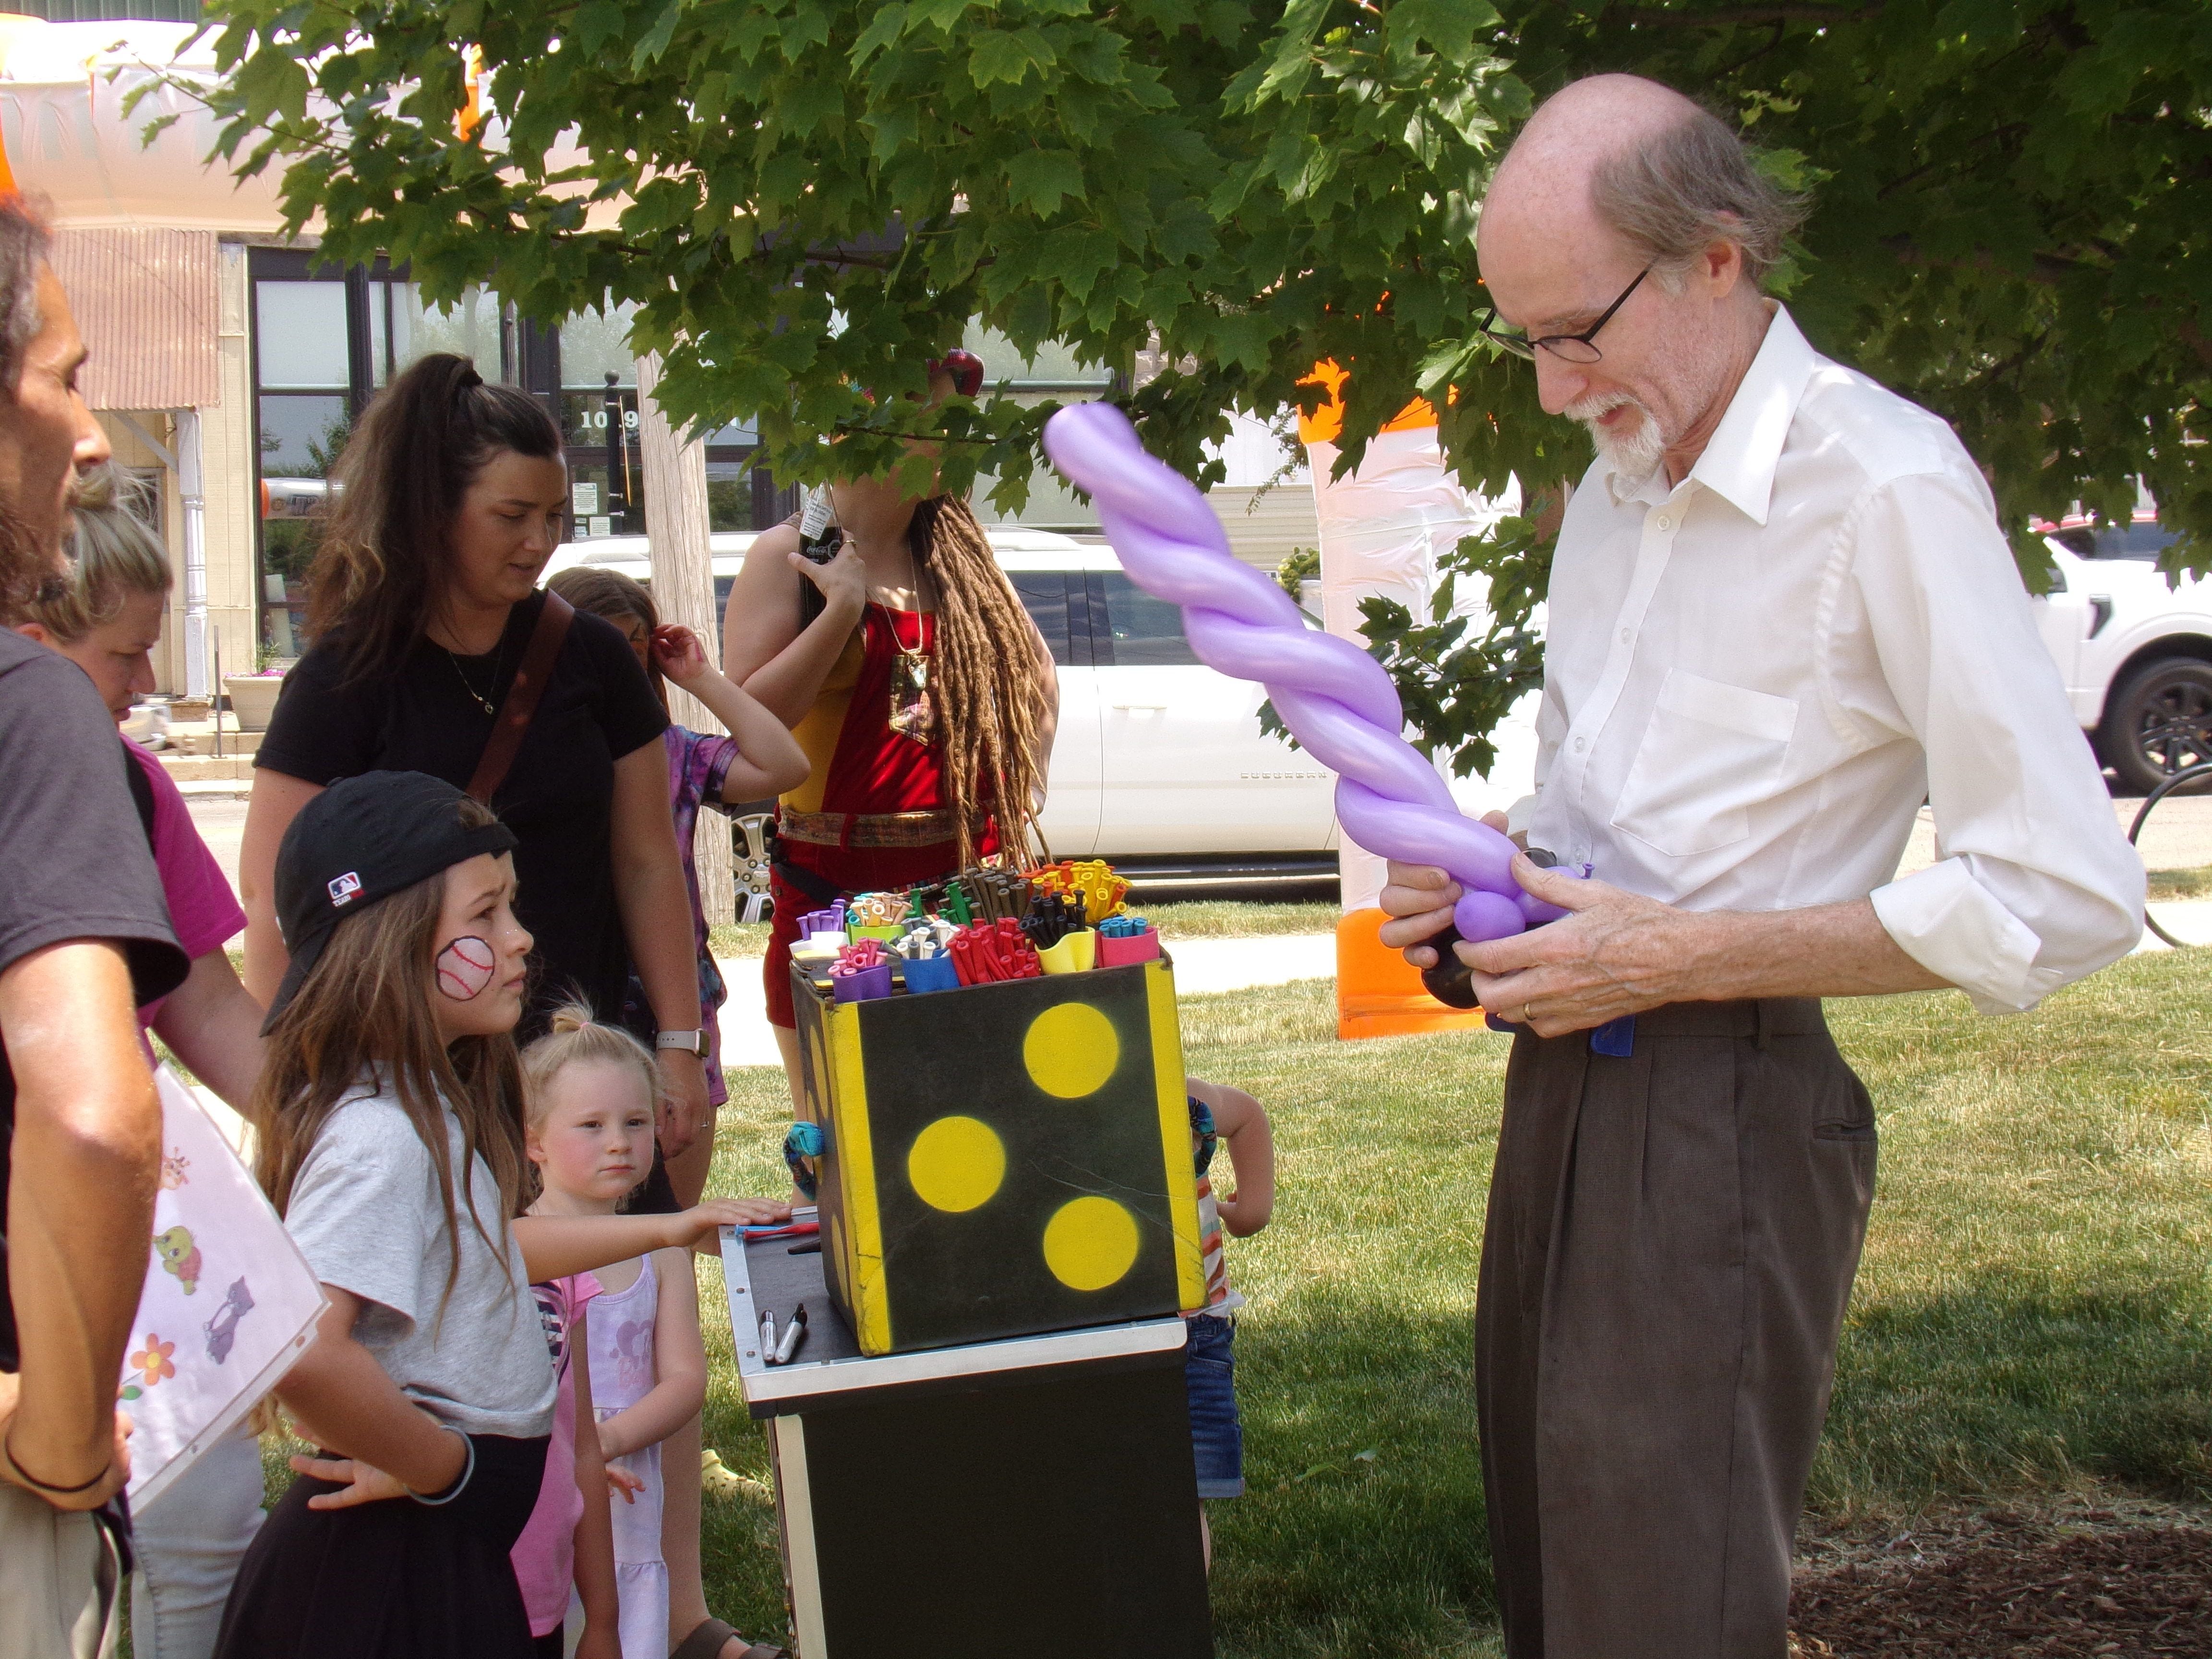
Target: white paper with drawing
[(229, 1302)]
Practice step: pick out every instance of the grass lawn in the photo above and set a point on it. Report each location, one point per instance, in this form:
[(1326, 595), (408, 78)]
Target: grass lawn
[(2181, 883), (2034, 1311), (1181, 919)]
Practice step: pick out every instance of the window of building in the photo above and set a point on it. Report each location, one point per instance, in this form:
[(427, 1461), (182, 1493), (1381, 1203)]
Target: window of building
[(599, 421), (1052, 375), (326, 341)]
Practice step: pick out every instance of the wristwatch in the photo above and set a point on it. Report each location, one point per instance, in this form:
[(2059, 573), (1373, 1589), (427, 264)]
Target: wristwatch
[(691, 1043)]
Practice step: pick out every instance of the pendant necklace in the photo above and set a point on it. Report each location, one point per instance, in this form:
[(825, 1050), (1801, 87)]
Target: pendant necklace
[(499, 657), (914, 710)]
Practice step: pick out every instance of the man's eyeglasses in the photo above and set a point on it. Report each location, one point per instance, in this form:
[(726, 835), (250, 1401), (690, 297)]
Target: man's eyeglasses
[(1572, 348)]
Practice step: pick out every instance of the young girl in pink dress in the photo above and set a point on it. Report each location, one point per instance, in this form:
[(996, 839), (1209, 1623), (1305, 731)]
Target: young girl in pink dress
[(590, 1088)]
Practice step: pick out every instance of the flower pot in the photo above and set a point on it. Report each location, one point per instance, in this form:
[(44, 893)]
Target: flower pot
[(252, 698), (1134, 947)]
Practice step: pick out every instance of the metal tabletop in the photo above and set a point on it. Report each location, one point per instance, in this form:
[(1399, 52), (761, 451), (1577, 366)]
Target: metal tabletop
[(764, 1276)]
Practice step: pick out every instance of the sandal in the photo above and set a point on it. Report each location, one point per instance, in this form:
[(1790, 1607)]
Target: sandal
[(708, 1640)]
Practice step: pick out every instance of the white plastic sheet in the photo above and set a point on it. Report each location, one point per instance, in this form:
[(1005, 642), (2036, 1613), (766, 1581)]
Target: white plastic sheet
[(229, 1302), (1382, 529)]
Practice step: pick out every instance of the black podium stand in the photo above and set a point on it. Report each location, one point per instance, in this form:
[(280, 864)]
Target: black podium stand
[(1025, 1499)]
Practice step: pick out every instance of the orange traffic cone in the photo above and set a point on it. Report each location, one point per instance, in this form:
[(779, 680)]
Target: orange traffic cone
[(1378, 992)]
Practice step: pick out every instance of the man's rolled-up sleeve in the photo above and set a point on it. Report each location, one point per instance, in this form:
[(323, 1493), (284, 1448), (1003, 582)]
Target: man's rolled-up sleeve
[(2034, 886)]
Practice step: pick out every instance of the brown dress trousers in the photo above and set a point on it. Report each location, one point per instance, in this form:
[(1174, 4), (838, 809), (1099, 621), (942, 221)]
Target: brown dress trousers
[(1669, 1249)]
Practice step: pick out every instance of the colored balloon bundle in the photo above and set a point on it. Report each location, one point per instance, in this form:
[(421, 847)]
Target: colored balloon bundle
[(1052, 918), (1332, 696), (857, 958), (981, 927), (1093, 880), (987, 951), (861, 972)]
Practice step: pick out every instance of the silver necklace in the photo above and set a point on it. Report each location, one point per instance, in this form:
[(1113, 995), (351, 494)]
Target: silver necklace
[(498, 661)]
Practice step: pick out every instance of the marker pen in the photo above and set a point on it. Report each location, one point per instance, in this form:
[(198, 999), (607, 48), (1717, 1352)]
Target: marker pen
[(795, 1333)]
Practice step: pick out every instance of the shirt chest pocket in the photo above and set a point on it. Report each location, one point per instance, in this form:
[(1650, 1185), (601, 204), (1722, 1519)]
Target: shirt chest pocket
[(1710, 752)]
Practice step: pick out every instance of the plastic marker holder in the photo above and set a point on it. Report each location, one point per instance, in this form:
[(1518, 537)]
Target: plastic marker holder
[(1077, 953)]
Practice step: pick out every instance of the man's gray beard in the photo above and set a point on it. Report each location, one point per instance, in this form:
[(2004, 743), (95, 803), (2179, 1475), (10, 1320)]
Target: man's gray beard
[(29, 570), (1636, 457)]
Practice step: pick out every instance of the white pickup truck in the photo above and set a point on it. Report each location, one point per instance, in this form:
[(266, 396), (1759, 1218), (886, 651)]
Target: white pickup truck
[(2134, 652), (1159, 763)]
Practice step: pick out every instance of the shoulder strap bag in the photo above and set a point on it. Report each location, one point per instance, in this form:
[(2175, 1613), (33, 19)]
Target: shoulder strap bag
[(521, 703)]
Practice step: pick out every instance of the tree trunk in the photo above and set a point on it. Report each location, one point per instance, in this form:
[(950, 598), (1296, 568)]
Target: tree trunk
[(683, 591)]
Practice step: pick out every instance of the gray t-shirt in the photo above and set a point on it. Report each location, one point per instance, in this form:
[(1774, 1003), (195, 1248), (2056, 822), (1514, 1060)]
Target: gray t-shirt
[(365, 1212)]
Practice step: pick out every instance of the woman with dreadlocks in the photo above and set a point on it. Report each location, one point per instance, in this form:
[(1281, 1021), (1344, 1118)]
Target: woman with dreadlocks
[(921, 690)]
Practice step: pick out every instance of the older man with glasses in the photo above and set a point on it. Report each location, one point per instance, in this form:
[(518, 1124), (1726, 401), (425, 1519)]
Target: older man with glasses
[(1781, 613)]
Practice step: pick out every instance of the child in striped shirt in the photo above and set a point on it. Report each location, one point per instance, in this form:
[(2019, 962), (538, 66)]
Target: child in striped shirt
[(1225, 1120)]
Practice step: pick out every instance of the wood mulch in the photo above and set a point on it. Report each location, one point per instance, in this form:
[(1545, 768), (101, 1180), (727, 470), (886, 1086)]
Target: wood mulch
[(2131, 1579)]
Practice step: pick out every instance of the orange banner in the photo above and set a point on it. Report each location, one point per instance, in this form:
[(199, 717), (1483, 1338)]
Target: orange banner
[(1326, 422)]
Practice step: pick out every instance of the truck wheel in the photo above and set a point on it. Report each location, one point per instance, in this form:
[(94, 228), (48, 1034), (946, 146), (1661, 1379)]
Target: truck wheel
[(2158, 722), (749, 848)]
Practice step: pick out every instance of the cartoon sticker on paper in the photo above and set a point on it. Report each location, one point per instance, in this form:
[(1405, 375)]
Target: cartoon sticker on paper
[(223, 1329), (179, 1256), (152, 1364)]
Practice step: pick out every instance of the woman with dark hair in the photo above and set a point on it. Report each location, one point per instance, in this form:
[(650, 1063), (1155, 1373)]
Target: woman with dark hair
[(922, 693), (423, 608)]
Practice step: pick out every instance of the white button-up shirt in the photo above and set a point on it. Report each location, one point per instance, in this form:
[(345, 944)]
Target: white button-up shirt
[(1753, 678)]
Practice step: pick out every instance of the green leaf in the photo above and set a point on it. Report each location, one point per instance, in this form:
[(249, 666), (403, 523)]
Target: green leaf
[(1043, 179), (597, 22), (1007, 55), (888, 23), (1447, 27), (656, 40)]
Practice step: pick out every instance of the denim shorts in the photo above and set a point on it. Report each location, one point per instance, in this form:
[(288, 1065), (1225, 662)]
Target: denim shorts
[(1209, 1372)]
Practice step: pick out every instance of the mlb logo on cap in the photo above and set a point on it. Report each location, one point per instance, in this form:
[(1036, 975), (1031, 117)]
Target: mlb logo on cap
[(343, 888)]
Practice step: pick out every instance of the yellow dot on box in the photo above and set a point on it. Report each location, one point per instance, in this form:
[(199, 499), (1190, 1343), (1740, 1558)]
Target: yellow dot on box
[(956, 1165), (1071, 1050), (1090, 1243)]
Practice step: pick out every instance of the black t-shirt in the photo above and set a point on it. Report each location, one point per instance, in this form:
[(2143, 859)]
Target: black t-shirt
[(74, 861), (558, 797)]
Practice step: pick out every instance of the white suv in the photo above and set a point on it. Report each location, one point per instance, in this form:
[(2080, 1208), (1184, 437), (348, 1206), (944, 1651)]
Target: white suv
[(2135, 654), (1159, 761)]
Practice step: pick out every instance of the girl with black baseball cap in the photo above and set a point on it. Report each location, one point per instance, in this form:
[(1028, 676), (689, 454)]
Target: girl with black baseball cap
[(390, 1109)]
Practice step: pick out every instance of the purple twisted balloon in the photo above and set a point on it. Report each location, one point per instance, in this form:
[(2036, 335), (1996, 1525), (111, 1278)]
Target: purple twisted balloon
[(1332, 694)]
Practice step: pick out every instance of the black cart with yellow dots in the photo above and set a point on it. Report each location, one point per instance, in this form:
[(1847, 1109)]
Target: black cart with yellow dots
[(982, 1449)]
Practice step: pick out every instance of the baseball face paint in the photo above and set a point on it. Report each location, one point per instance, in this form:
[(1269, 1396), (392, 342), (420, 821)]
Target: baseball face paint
[(466, 967)]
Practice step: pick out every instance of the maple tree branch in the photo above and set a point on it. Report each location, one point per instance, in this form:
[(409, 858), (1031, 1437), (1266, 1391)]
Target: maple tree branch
[(2047, 268), (2193, 337)]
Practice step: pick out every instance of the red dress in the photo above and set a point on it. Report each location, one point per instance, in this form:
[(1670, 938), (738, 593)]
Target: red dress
[(865, 768)]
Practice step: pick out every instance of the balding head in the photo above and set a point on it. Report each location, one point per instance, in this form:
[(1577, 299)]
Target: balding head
[(1624, 208), (1619, 157), (1546, 178)]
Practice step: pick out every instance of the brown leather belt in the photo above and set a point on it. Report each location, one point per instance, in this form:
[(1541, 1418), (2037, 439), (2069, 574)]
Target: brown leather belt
[(872, 830)]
